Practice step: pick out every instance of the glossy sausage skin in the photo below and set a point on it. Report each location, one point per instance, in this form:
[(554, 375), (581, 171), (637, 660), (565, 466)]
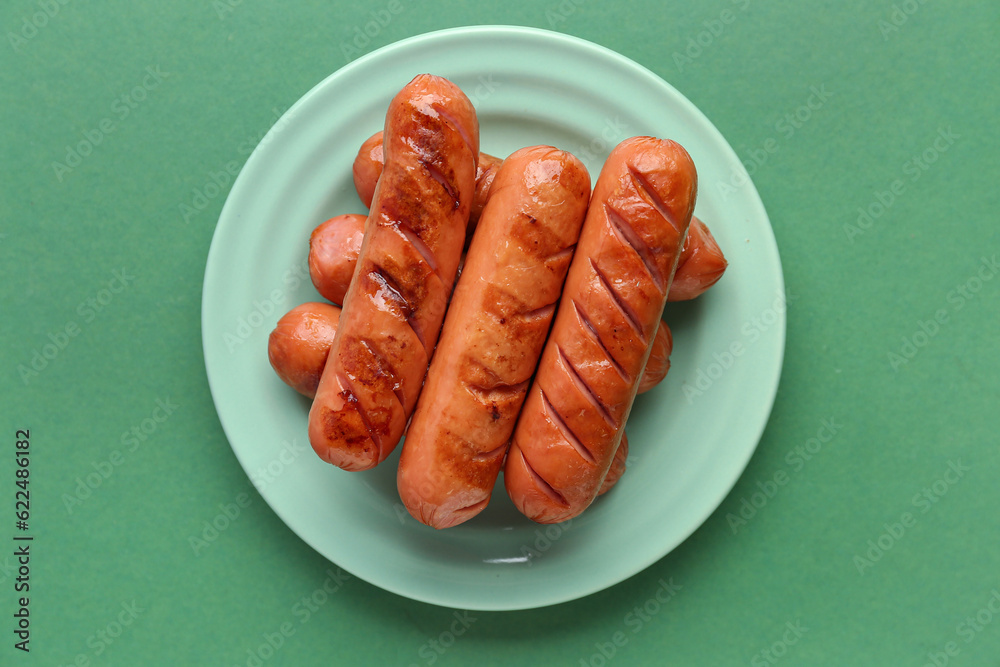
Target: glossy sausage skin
[(397, 299), (492, 336), (334, 247), (368, 168), (300, 343), (659, 359), (701, 265), (573, 418), (617, 468)]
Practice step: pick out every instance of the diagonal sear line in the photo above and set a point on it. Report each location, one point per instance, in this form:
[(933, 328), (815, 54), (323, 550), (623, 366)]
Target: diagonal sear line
[(589, 327), (585, 389), (540, 481), (623, 307), (627, 233), (382, 278), (570, 436)]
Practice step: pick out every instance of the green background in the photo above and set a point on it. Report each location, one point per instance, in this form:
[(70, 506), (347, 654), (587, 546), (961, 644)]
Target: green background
[(874, 550)]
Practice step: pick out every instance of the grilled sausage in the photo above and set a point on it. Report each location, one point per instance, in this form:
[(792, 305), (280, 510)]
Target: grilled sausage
[(701, 265), (492, 336), (573, 417), (397, 299), (334, 247), (617, 468), (300, 343), (659, 359)]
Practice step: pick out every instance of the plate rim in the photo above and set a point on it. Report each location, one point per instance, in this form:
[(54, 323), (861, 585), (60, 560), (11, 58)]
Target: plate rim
[(620, 60)]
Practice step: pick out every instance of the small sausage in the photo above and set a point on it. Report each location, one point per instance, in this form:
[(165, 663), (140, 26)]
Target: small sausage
[(492, 336), (617, 468), (368, 167), (588, 375), (659, 359), (701, 265), (334, 247), (396, 301), (300, 343)]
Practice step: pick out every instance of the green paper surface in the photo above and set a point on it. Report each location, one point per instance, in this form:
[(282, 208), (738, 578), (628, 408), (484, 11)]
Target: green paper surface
[(864, 530)]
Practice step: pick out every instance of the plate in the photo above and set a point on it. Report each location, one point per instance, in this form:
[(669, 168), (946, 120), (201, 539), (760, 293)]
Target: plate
[(690, 438)]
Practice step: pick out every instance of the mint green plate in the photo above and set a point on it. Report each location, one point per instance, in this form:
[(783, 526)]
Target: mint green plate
[(690, 437)]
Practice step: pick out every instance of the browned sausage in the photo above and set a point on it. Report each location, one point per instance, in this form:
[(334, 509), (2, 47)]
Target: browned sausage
[(701, 265), (397, 299), (492, 335), (368, 167), (300, 343), (334, 247), (573, 418), (659, 359), (617, 468)]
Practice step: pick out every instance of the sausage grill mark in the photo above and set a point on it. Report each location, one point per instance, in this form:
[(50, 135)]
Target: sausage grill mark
[(541, 483), (589, 327), (378, 374), (450, 119), (350, 397), (653, 198), (586, 389), (443, 180), (492, 454), (418, 244), (625, 231), (540, 313), (571, 437), (498, 392), (389, 289), (623, 307)]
